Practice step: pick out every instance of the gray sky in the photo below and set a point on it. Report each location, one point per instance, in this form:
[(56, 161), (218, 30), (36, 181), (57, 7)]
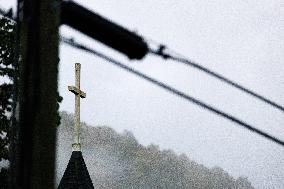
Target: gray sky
[(243, 40)]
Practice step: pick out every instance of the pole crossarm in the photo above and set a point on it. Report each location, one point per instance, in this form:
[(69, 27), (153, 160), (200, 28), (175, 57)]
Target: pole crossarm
[(107, 32)]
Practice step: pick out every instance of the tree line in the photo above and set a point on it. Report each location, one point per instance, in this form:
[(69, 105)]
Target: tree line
[(118, 161)]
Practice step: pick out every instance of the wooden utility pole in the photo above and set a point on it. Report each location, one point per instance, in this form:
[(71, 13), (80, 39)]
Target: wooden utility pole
[(37, 94), (37, 107), (76, 146)]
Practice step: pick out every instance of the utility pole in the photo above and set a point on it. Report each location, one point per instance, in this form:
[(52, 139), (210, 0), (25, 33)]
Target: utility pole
[(39, 22), (37, 94)]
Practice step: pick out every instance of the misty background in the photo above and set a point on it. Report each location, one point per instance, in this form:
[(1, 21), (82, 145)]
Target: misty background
[(242, 40), (117, 160)]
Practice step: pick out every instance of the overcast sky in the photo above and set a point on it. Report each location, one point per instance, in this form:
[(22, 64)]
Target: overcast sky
[(242, 40)]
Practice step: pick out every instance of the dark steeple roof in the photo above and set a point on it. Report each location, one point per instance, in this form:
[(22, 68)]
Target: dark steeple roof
[(76, 175)]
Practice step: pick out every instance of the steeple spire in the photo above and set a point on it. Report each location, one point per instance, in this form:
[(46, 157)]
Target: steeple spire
[(76, 175)]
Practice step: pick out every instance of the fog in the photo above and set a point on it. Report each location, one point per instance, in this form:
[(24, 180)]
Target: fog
[(117, 160), (242, 40)]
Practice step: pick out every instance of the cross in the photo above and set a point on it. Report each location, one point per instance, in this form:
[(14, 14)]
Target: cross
[(76, 146)]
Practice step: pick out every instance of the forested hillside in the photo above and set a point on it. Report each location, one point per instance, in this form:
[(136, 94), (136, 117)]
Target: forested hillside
[(118, 161)]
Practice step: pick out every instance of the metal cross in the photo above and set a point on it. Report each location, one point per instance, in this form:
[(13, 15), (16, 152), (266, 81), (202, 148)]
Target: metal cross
[(76, 146)]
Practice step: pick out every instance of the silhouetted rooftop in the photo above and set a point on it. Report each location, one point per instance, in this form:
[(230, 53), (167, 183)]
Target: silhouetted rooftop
[(76, 175)]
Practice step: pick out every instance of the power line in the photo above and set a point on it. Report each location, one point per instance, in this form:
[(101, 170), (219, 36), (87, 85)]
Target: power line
[(161, 52), (187, 62), (172, 90), (181, 59)]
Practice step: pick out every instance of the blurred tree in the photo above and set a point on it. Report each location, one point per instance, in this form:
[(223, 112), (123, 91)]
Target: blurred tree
[(7, 71), (7, 38)]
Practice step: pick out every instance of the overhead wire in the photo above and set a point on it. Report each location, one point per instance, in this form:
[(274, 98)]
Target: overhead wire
[(74, 44), (179, 58)]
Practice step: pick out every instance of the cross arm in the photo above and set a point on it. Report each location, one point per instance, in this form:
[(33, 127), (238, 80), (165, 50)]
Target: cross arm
[(77, 91)]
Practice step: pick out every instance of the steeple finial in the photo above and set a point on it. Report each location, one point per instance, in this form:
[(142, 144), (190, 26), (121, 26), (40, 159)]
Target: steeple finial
[(76, 146)]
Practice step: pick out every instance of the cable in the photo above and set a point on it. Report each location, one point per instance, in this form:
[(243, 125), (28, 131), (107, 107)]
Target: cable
[(179, 58), (161, 52), (170, 89)]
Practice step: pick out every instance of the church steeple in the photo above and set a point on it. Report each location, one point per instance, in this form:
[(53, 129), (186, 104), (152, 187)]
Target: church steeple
[(76, 175)]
